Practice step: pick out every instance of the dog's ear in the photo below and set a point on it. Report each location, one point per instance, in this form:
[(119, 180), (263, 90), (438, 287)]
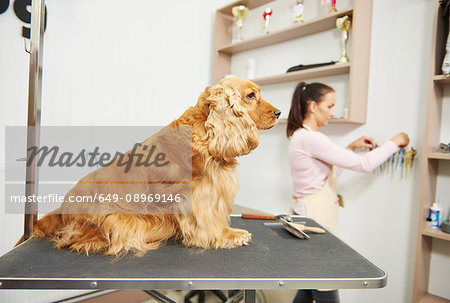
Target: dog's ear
[(203, 102), (229, 129)]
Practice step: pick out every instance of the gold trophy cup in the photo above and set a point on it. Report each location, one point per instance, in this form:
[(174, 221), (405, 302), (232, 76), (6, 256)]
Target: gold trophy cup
[(344, 24), (239, 12), (333, 7), (298, 11)]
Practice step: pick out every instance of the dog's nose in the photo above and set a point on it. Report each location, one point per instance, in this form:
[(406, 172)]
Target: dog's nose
[(277, 113)]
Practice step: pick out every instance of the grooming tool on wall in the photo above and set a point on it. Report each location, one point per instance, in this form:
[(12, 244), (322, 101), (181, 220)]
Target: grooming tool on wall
[(402, 160), (403, 153)]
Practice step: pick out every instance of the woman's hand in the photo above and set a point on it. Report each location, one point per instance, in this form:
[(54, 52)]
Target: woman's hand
[(363, 142), (401, 139)]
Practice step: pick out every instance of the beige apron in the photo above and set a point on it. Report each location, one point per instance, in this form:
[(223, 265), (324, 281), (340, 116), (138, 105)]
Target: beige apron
[(323, 206)]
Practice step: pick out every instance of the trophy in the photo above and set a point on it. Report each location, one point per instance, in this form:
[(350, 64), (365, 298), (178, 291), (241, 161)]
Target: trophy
[(326, 4), (298, 11), (344, 24), (239, 12), (266, 15), (333, 7)]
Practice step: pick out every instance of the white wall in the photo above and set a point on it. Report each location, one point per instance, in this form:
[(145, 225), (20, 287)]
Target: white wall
[(380, 215), (105, 64)]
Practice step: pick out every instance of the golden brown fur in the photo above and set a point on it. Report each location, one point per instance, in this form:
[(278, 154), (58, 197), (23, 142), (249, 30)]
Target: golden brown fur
[(224, 124)]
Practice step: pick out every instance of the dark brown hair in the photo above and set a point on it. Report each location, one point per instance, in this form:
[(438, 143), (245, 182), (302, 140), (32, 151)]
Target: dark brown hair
[(304, 94)]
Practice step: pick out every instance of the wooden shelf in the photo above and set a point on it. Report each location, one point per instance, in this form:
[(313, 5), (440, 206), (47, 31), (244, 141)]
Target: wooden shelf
[(441, 79), (357, 70), (435, 233), (429, 298), (251, 4), (324, 71), (431, 162), (439, 156), (292, 32)]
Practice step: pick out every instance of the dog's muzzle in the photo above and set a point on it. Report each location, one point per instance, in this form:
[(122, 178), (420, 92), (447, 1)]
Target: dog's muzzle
[(277, 113)]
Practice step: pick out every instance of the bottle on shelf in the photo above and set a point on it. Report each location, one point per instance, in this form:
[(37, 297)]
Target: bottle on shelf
[(434, 214)]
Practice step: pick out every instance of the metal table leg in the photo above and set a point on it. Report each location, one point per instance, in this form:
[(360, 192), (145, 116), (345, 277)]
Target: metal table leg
[(250, 296), (159, 296)]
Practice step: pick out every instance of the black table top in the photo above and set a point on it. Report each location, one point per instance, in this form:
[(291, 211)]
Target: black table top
[(275, 259)]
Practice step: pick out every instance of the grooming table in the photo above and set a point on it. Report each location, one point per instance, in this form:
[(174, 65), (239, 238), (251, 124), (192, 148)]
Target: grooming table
[(275, 259)]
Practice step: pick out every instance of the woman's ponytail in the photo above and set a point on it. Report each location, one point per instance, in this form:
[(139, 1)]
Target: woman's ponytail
[(304, 94), (297, 111)]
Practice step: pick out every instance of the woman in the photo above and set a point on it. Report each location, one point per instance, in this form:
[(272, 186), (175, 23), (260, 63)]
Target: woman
[(315, 161)]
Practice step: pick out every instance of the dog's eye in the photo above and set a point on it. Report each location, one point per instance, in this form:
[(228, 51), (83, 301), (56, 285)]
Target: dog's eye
[(251, 96)]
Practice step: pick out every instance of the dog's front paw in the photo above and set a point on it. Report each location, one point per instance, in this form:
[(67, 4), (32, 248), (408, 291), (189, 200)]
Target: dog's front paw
[(233, 237)]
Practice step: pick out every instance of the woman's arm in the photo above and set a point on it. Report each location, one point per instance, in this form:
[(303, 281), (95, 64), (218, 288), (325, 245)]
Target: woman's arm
[(401, 140), (363, 142), (322, 148)]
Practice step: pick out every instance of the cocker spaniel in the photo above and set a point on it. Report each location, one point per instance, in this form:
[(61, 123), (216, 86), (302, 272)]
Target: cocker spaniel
[(222, 125)]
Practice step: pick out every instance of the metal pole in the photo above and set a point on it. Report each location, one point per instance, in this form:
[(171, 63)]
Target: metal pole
[(34, 110), (249, 296), (159, 297)]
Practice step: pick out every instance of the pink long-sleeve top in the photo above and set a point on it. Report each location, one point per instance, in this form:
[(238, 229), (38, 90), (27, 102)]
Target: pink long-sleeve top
[(311, 155)]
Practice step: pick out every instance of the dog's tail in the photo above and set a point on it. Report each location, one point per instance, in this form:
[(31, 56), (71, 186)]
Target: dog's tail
[(48, 226)]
